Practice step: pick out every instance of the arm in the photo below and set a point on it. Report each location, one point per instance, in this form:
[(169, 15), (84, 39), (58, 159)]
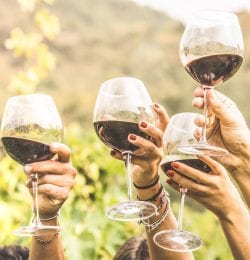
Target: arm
[(227, 128), (213, 190), (56, 178), (146, 160)]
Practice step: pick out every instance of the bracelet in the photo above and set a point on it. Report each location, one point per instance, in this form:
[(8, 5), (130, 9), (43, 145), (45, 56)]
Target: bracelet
[(164, 198), (159, 221), (46, 242), (149, 186), (154, 197), (53, 217)]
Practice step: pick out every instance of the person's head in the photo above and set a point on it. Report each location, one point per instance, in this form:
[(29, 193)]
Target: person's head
[(135, 248), (14, 252)]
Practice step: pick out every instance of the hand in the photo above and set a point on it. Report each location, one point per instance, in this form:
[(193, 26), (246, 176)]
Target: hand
[(56, 179), (226, 128), (214, 190), (147, 157)]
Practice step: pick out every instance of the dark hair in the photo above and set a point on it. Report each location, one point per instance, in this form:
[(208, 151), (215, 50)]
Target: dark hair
[(135, 248), (14, 252)]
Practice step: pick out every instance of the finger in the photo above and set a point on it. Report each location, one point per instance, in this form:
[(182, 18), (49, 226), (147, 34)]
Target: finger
[(198, 102), (63, 152), (190, 172), (173, 184), (183, 181), (155, 133), (54, 192), (116, 154), (216, 168), (50, 167), (210, 122), (199, 92), (56, 180), (147, 147), (162, 117)]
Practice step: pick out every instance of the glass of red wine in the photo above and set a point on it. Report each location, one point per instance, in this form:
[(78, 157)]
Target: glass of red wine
[(30, 123), (120, 105), (211, 50), (180, 130)]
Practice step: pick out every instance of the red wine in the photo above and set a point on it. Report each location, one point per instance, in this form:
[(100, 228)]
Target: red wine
[(195, 163), (26, 151), (115, 134), (214, 69)]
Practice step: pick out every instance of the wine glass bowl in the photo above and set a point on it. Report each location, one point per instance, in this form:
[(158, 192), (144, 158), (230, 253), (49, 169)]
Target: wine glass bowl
[(211, 51), (30, 123), (120, 105)]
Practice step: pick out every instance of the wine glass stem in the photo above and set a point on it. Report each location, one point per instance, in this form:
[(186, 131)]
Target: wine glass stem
[(181, 209), (203, 138), (127, 155), (36, 220)]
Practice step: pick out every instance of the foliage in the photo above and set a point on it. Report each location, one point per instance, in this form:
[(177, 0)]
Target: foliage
[(32, 49)]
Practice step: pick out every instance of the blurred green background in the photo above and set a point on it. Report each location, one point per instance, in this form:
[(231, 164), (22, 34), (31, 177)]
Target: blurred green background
[(67, 49)]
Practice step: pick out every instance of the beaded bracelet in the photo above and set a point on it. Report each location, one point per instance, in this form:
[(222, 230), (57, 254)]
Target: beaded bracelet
[(159, 221)]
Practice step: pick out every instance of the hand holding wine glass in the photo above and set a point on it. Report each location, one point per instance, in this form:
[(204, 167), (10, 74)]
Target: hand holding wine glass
[(30, 123), (121, 104), (180, 130), (211, 49)]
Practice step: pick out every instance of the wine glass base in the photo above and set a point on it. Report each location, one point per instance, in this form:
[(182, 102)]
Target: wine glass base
[(131, 211), (37, 230), (177, 240), (202, 149)]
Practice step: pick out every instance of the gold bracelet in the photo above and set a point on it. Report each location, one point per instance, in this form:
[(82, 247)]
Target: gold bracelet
[(46, 242)]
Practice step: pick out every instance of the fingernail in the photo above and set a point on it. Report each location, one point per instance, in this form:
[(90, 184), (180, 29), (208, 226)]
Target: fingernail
[(28, 168), (175, 165), (156, 105), (113, 152), (169, 181), (170, 173), (132, 137), (143, 124)]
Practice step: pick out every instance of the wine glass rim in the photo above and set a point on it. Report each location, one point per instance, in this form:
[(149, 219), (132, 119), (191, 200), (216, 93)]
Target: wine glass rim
[(122, 78), (30, 95), (198, 13)]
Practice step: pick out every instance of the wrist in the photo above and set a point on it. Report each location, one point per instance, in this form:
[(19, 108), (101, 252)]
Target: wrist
[(51, 219)]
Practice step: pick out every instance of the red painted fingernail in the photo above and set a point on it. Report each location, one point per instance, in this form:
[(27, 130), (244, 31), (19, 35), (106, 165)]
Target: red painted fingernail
[(175, 165), (132, 137), (169, 181), (170, 173), (156, 105), (143, 124), (113, 152)]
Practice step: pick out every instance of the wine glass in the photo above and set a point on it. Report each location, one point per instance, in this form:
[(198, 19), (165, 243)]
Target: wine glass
[(211, 50), (180, 130), (30, 123), (121, 103)]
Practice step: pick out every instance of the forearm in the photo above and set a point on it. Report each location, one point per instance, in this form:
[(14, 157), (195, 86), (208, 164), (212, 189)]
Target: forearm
[(241, 175), (236, 227), (52, 249), (168, 223)]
